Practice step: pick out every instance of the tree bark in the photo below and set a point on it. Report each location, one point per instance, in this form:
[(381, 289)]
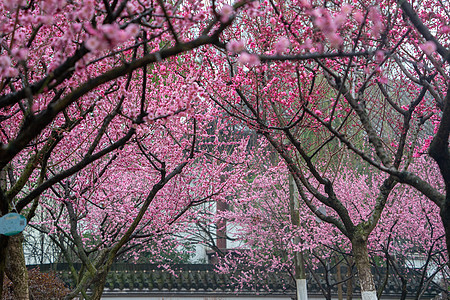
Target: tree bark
[(299, 263), (4, 209), (445, 217), (339, 279), (361, 254), (16, 269), (350, 281), (99, 284), (300, 277), (3, 253)]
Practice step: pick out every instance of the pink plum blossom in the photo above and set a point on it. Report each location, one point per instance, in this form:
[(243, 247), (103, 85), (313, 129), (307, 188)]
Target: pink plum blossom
[(428, 47), (377, 21), (226, 13), (379, 56), (132, 30), (93, 43), (249, 59), (20, 53), (235, 46), (282, 44)]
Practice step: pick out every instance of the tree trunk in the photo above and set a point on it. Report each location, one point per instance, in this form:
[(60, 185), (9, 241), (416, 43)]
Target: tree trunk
[(16, 269), (445, 217), (300, 277), (99, 284), (359, 249), (339, 279), (350, 281), (299, 263), (3, 253), (4, 209)]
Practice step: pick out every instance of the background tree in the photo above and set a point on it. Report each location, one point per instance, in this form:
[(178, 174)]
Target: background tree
[(76, 91), (74, 79), (401, 248), (355, 75)]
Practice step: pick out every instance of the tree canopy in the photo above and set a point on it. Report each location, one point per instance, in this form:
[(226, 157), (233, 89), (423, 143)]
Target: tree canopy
[(113, 116)]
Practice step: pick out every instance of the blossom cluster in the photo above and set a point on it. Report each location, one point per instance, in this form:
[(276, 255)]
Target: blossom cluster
[(109, 35)]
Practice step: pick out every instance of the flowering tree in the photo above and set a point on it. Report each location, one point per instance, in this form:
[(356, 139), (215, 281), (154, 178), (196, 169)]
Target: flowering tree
[(263, 222), (315, 77), (80, 104), (100, 214), (76, 88)]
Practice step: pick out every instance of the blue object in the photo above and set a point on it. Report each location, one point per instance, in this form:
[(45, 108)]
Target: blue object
[(12, 224)]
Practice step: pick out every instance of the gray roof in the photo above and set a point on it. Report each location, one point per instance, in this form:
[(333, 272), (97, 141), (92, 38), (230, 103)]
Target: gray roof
[(202, 280)]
